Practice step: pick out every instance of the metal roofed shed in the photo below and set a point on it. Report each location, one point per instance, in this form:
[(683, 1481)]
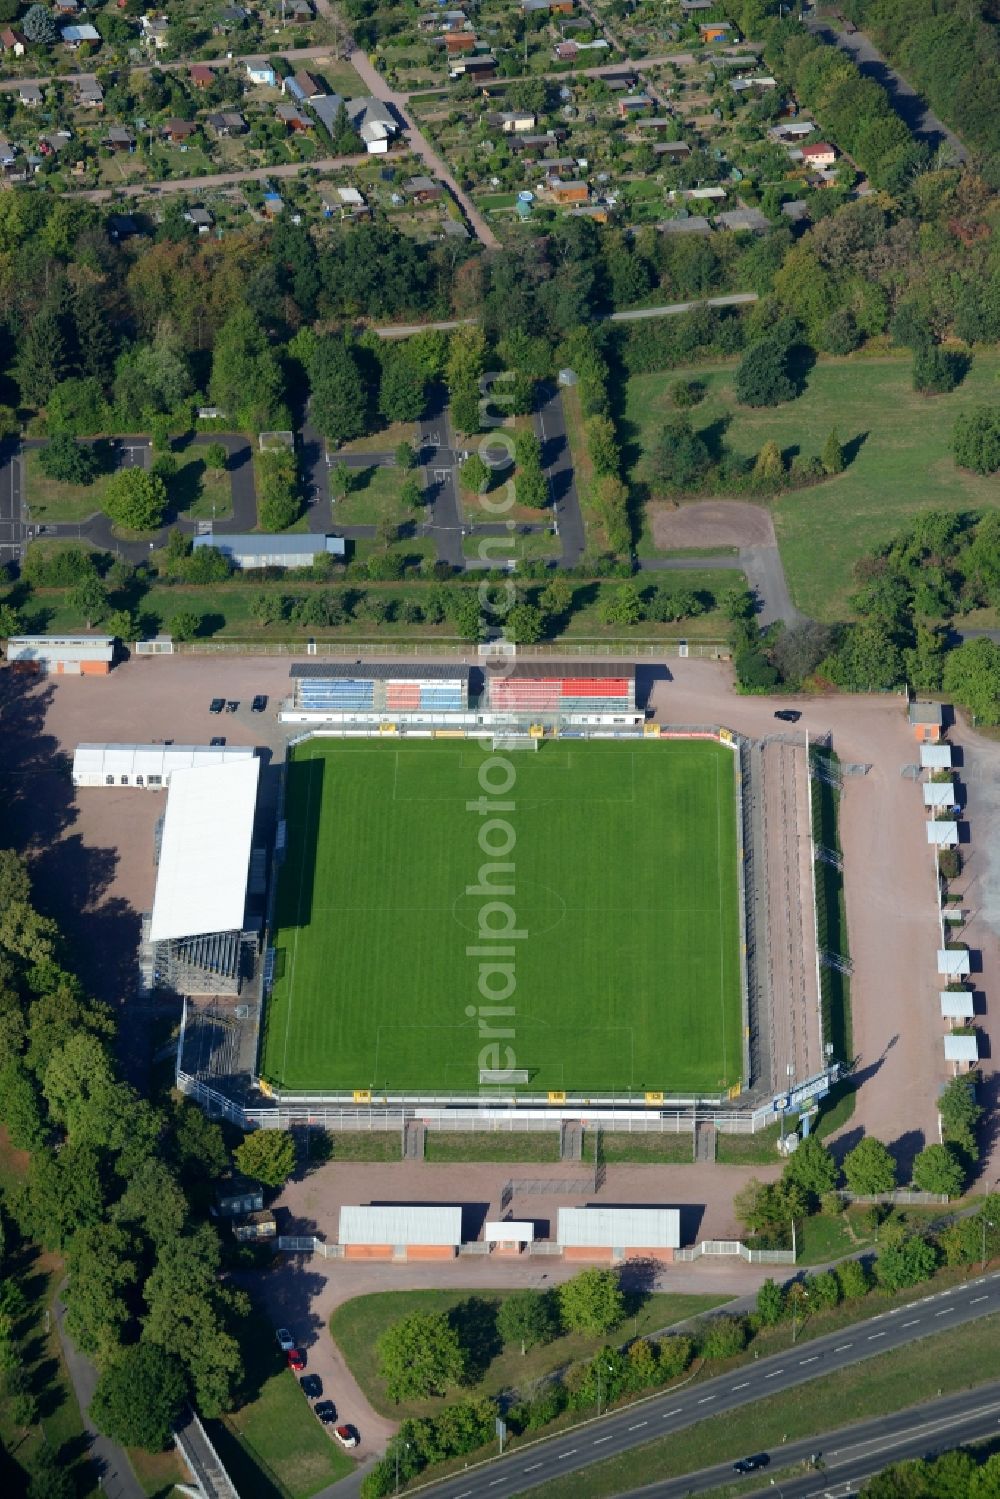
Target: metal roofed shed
[(63, 655), (260, 549), (380, 671), (201, 883), (943, 834), (935, 757), (400, 1231), (953, 962), (963, 1051), (939, 794), (148, 765), (956, 1004), (618, 1232)]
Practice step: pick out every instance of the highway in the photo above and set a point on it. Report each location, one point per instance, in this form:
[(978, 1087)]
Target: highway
[(848, 1456), (527, 1467)]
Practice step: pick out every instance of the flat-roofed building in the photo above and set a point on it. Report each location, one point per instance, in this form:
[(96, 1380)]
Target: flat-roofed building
[(63, 655), (400, 1231), (619, 1233)]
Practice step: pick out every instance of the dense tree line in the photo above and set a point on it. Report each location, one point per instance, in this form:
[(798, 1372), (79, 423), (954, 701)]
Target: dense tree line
[(117, 1184)]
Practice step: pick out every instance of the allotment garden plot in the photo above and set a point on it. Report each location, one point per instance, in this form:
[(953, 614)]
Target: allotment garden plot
[(627, 977)]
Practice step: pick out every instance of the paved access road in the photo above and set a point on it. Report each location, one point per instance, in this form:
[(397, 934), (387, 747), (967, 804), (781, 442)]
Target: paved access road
[(529, 1467), (12, 529), (848, 1456), (550, 426)]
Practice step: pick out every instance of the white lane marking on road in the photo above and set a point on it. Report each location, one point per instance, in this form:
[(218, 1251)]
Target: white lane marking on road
[(873, 1335), (809, 1360), (529, 1469), (638, 1424), (675, 1412), (775, 1374), (741, 1386), (495, 1482), (977, 1299), (705, 1399), (561, 1455), (843, 1347), (599, 1440), (944, 1311)]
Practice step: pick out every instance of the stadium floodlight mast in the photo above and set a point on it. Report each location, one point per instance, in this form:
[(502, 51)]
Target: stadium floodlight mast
[(986, 1223), (611, 1369)]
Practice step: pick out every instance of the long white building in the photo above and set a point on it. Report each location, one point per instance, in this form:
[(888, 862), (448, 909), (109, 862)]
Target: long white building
[(148, 766)]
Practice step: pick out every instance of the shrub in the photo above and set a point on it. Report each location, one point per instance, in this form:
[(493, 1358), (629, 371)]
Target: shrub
[(135, 499), (685, 393), (724, 1337)]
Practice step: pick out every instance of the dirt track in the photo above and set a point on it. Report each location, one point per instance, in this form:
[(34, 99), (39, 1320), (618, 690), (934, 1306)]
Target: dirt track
[(711, 523)]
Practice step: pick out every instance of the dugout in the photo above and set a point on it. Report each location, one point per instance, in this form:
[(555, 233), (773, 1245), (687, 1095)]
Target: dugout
[(400, 1231), (611, 1234)]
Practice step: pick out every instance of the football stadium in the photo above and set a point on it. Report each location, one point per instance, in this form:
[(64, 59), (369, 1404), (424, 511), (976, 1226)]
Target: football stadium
[(456, 919)]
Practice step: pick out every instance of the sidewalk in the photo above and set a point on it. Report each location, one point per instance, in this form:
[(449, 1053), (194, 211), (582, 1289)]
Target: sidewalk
[(116, 1478)]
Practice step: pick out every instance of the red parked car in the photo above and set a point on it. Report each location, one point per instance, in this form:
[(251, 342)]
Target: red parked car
[(296, 1360)]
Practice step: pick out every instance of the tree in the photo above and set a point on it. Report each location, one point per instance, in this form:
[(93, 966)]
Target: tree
[(43, 358), (402, 393), (138, 1400), (474, 474), (524, 624), (39, 27), (620, 606), (135, 499), (467, 616), (279, 503), (89, 599), (466, 411), (216, 457), (185, 625), (960, 1114), (854, 1280), (68, 461), (972, 678), (20, 1106), (267, 1155), (762, 377), (724, 1337), (591, 1302), (190, 1312), (411, 496), (770, 1303), (832, 456), (526, 1317), (905, 1262), (812, 1168), (975, 439), (405, 455), (869, 1168), (103, 1269), (51, 1477), (10, 621), (246, 378), (610, 500), (339, 399), (935, 370), (680, 459), (938, 1169), (420, 1355), (602, 445), (531, 488), (769, 465)]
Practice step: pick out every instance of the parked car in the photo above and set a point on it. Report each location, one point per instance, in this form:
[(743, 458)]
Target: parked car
[(327, 1412), (232, 705), (216, 705), (751, 1464), (285, 1339), (312, 1386), (788, 715), (296, 1360), (217, 741), (259, 703), (346, 1436)]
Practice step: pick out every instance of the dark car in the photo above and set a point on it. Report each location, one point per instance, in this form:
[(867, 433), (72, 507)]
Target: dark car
[(788, 715), (327, 1412), (232, 705), (217, 741), (259, 703), (751, 1464), (216, 705), (312, 1386)]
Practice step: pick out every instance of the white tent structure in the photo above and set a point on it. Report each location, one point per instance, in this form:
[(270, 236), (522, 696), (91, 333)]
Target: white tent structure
[(943, 834), (147, 766)]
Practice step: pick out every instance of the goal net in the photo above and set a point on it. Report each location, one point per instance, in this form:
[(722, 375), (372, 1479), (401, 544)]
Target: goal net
[(515, 742)]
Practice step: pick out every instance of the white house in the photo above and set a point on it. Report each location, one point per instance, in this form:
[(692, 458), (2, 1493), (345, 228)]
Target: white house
[(261, 72)]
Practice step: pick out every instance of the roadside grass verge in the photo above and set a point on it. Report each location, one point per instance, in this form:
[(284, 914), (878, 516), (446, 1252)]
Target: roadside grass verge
[(889, 1382)]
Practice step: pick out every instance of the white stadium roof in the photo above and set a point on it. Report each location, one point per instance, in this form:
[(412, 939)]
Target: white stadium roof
[(395, 1223), (201, 884)]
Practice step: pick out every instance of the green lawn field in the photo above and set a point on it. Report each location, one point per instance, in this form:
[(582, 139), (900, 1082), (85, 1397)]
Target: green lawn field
[(625, 887), (899, 458)]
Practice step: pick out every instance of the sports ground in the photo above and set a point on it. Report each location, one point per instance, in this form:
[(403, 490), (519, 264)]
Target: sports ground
[(627, 977)]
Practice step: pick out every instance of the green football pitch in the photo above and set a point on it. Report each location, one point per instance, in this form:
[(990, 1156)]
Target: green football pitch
[(626, 976)]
